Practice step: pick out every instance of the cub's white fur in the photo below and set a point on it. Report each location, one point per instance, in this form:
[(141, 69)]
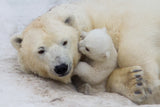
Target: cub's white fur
[(97, 45)]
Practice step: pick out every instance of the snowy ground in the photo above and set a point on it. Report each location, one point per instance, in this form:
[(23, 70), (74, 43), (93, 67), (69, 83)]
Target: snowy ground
[(18, 89)]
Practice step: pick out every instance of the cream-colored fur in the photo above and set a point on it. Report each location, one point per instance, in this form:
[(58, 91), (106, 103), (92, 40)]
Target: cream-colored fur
[(99, 48), (134, 26), (41, 33)]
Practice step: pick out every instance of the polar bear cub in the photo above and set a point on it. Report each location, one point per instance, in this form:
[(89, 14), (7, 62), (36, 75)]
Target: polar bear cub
[(97, 46)]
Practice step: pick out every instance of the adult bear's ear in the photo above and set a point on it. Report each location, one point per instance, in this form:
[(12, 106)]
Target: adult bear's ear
[(16, 41), (69, 20)]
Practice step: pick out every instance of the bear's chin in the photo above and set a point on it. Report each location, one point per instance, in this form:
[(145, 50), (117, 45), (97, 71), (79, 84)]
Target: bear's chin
[(64, 78)]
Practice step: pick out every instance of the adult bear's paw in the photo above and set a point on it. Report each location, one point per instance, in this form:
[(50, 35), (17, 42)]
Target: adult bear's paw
[(129, 82), (136, 88)]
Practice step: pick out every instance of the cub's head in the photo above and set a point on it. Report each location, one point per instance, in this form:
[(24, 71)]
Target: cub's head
[(95, 44)]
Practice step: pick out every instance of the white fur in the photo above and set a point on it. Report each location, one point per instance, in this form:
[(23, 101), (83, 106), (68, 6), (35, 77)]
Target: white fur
[(102, 58), (134, 26)]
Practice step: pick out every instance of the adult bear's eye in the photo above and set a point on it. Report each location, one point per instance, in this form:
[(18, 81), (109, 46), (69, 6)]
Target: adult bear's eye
[(41, 50), (65, 43)]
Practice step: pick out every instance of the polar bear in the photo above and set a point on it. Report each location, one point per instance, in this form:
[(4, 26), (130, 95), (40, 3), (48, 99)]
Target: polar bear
[(97, 45), (49, 45)]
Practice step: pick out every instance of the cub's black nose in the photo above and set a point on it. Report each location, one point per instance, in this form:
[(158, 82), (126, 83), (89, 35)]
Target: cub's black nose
[(61, 70)]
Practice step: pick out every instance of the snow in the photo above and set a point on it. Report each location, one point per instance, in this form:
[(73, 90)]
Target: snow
[(18, 89)]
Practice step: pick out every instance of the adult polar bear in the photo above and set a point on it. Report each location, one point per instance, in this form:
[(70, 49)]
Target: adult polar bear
[(48, 46)]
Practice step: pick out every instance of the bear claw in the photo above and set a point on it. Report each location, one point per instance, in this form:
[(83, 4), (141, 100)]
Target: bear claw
[(138, 76), (140, 84), (137, 70), (138, 92)]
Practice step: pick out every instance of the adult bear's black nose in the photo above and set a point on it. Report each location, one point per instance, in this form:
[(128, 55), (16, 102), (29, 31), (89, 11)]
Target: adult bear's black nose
[(61, 69)]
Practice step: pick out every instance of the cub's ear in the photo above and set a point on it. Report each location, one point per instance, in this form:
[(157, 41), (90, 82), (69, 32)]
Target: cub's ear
[(83, 35), (69, 20), (16, 41), (107, 54)]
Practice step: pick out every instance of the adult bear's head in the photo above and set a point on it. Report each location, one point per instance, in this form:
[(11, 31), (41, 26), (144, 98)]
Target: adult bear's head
[(49, 45)]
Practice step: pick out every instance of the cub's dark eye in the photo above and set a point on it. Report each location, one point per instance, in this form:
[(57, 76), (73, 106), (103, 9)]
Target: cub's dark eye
[(41, 50), (87, 49), (65, 43)]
